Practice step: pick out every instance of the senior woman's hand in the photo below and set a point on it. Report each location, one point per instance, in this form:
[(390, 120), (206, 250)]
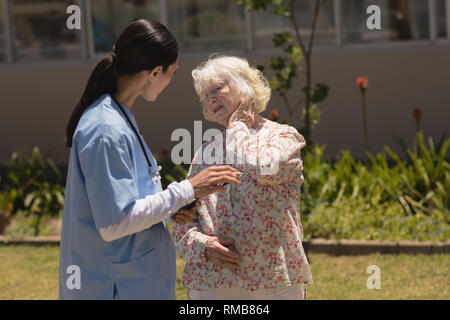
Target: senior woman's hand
[(184, 216), (218, 253), (245, 112)]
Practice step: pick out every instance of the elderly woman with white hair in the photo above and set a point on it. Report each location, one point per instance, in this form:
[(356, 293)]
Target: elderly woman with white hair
[(247, 241)]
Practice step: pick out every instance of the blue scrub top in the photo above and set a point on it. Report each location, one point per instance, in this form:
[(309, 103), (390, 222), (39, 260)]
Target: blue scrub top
[(107, 172)]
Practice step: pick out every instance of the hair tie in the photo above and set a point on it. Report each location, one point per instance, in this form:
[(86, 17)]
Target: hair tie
[(115, 58)]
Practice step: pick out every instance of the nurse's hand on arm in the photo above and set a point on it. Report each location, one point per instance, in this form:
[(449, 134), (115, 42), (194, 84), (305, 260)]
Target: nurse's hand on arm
[(212, 180), (209, 180), (155, 208)]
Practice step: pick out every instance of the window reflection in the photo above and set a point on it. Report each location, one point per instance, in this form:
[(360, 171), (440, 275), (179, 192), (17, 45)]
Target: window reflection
[(441, 10), (400, 20), (40, 31), (207, 25), (110, 18), (2, 37), (266, 24)]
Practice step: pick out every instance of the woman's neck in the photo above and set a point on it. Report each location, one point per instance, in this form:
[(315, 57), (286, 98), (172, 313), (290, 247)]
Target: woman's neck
[(259, 122), (128, 89)]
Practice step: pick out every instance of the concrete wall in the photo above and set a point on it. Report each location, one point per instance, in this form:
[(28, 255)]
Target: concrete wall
[(36, 100)]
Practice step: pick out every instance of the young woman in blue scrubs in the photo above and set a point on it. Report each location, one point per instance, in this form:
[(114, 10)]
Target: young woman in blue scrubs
[(114, 242)]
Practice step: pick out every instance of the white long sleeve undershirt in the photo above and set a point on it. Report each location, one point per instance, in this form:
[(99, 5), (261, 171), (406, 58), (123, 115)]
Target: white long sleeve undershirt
[(151, 210)]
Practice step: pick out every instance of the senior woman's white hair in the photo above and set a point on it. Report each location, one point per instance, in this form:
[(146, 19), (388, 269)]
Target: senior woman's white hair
[(248, 82)]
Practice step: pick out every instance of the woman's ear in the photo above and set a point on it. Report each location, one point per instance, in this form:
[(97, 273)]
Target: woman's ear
[(155, 72)]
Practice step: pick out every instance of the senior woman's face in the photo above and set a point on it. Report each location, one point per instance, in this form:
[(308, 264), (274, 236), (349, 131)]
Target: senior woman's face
[(221, 101)]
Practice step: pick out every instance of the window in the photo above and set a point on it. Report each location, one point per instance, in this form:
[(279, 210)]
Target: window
[(266, 24), (442, 16), (400, 20), (207, 25), (40, 33), (2, 37), (111, 17)]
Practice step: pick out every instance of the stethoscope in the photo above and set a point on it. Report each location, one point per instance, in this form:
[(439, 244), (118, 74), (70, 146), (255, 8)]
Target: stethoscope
[(156, 177)]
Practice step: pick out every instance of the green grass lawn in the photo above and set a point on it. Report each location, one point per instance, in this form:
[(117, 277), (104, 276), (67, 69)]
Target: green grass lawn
[(32, 273)]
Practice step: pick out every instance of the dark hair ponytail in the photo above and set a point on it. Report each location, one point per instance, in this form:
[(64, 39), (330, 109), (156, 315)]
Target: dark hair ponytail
[(143, 45)]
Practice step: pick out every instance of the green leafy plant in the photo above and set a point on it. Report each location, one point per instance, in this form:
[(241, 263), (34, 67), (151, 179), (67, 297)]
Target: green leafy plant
[(170, 172), (26, 171), (24, 225), (6, 206), (411, 193), (45, 198), (33, 185), (296, 59), (425, 173), (360, 219)]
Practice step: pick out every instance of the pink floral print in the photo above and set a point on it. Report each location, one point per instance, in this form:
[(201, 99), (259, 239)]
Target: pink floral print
[(261, 214)]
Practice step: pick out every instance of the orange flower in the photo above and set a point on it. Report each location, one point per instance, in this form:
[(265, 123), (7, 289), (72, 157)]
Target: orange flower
[(165, 153), (417, 113), (363, 83), (274, 116)]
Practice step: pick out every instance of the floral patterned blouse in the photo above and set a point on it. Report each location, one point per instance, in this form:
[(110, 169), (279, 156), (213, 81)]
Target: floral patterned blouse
[(261, 214)]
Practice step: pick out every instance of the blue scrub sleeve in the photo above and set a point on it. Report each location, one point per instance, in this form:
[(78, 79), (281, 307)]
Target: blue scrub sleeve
[(110, 186)]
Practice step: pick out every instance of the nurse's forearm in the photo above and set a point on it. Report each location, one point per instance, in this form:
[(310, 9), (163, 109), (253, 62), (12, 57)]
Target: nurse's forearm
[(151, 210)]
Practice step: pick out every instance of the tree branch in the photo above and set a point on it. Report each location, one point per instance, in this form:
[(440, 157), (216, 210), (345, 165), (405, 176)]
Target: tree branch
[(294, 24), (288, 107), (317, 4)]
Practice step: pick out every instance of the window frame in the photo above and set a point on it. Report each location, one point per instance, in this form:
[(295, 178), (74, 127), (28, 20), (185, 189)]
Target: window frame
[(88, 49), (93, 55), (394, 45), (7, 31), (9, 41), (448, 18)]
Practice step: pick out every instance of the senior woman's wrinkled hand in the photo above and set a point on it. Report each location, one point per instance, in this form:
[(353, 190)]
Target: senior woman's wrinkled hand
[(245, 112), (218, 253), (184, 216)]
